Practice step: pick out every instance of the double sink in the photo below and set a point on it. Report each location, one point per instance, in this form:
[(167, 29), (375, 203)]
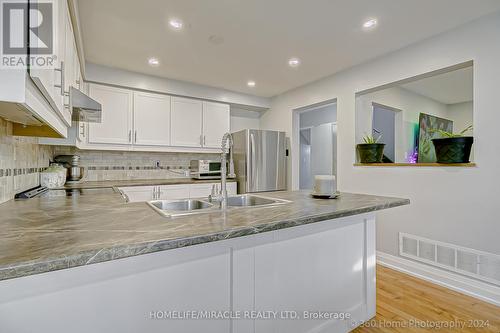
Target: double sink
[(172, 208)]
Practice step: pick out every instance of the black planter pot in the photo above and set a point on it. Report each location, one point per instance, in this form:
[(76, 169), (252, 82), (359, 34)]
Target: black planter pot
[(370, 152), (453, 150)]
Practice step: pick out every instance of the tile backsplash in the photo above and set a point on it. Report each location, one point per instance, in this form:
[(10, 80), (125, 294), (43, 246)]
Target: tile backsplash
[(21, 160), (119, 165)]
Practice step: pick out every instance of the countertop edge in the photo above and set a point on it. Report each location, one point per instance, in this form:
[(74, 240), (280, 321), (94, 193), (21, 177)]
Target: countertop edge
[(123, 251), (139, 182)]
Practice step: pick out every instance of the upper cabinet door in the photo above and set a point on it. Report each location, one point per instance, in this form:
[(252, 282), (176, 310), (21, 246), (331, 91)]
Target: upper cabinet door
[(186, 122), (216, 120), (69, 57), (151, 119), (116, 125), (49, 77)]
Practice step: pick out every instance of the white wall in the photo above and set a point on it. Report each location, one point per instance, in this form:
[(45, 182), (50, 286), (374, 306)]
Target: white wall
[(243, 119), (455, 205), (461, 114), (323, 115), (113, 76), (239, 123)]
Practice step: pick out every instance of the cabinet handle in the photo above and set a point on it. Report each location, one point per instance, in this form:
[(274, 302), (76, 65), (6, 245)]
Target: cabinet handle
[(156, 192), (61, 86), (204, 140), (135, 136), (201, 140), (129, 135)]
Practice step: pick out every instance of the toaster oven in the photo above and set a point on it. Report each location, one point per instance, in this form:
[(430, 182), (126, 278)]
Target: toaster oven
[(205, 169)]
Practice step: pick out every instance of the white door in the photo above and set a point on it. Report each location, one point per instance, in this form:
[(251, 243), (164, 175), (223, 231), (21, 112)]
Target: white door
[(216, 122), (116, 125), (186, 122), (151, 119)]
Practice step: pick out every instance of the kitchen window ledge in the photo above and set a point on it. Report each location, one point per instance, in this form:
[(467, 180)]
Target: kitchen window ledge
[(446, 165)]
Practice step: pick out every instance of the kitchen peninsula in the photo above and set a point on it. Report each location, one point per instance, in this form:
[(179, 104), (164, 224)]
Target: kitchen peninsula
[(125, 265)]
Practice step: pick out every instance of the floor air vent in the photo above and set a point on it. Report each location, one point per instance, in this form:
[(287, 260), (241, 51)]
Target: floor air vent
[(477, 264)]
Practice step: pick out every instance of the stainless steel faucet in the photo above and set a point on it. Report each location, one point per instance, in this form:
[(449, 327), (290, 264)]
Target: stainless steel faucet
[(226, 147)]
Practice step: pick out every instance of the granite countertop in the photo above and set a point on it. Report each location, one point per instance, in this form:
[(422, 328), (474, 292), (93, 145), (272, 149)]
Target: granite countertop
[(141, 182), (44, 234)]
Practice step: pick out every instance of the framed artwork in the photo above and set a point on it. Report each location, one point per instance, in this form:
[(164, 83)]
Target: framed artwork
[(428, 124)]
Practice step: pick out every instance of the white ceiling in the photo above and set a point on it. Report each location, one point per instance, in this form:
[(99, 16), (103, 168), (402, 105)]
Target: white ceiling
[(449, 88), (255, 38)]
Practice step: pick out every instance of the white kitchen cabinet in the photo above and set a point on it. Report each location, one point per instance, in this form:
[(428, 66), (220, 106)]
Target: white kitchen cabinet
[(205, 189), (187, 115), (216, 122), (202, 190), (198, 124), (69, 57), (31, 97), (116, 125), (77, 71), (138, 193), (174, 192), (54, 83), (151, 119), (51, 78)]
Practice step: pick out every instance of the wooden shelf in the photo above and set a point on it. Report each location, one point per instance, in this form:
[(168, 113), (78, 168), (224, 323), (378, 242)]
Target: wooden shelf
[(446, 165)]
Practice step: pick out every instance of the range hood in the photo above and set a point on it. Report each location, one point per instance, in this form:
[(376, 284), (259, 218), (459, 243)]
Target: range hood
[(83, 107)]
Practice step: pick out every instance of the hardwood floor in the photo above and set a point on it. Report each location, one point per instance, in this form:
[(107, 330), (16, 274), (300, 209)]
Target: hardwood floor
[(403, 300)]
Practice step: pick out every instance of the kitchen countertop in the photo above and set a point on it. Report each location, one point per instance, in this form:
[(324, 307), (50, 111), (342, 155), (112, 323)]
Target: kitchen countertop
[(141, 182), (44, 234)]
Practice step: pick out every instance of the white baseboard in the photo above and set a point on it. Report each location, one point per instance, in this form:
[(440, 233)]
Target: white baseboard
[(465, 285)]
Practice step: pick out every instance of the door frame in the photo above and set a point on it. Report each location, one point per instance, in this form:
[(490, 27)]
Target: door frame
[(398, 129), (295, 139)]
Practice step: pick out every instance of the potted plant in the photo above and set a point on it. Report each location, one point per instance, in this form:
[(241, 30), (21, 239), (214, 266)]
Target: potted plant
[(370, 151), (453, 148)]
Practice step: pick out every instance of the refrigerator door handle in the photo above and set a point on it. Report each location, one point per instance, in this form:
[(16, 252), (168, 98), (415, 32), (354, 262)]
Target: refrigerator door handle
[(252, 162), (277, 163)]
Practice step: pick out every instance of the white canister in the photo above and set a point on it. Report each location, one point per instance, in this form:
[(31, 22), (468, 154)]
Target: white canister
[(54, 176), (325, 185)]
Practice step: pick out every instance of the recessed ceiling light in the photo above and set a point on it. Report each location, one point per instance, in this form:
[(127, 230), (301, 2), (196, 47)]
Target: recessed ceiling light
[(153, 62), (175, 24), (371, 23), (251, 84), (294, 62), (216, 40)]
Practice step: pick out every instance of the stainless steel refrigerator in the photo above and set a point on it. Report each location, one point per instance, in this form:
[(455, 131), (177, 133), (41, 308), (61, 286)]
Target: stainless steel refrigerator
[(259, 160)]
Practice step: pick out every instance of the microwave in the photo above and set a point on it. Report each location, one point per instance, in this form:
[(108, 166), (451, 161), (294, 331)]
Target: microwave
[(205, 169)]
